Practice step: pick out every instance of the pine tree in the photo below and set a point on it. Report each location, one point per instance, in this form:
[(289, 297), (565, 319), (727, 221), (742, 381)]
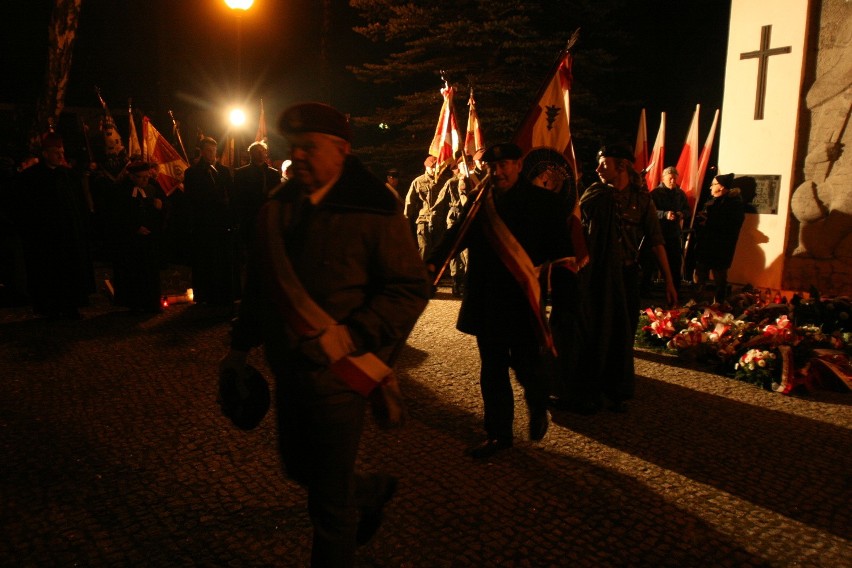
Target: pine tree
[(502, 48)]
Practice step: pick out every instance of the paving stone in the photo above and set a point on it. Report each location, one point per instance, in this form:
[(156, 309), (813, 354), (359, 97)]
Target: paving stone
[(115, 454)]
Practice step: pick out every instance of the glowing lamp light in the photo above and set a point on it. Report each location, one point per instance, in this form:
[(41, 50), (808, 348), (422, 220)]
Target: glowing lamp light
[(239, 4), (237, 117)]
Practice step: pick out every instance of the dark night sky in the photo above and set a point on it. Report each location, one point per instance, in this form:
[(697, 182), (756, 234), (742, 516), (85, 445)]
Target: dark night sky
[(180, 55)]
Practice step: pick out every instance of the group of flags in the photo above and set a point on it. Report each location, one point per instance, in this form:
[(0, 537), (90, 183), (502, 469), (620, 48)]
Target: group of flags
[(691, 165), (155, 147), (547, 125), (447, 142)]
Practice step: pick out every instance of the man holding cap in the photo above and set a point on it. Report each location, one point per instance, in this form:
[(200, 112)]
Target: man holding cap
[(516, 227), (335, 278)]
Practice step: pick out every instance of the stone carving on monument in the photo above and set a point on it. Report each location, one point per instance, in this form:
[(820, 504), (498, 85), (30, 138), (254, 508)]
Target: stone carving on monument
[(822, 203)]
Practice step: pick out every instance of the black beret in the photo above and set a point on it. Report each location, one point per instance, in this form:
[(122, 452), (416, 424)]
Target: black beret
[(725, 180), (138, 166), (245, 401), (314, 117), (616, 151), (505, 151)]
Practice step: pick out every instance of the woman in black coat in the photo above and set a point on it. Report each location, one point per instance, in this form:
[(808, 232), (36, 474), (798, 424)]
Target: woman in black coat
[(717, 228)]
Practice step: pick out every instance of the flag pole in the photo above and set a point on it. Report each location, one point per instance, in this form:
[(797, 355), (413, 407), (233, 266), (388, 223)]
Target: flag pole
[(483, 186), (177, 133)]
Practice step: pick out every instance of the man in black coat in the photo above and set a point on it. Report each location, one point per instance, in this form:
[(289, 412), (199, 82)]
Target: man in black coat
[(252, 184), (717, 230), (53, 221), (347, 248), (517, 225), (672, 212), (212, 256)]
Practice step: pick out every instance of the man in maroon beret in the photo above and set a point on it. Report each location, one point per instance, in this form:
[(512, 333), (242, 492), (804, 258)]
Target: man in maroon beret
[(420, 201), (335, 279)]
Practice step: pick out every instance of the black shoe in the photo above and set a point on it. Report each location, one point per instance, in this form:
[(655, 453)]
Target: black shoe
[(488, 448), (539, 422), (371, 517)]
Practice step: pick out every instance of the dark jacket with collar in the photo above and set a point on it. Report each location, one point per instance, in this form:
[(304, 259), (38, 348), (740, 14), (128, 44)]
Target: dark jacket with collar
[(494, 304), (717, 229), (354, 255)]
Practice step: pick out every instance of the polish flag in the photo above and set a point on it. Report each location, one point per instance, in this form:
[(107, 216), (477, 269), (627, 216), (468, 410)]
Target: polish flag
[(446, 141), (261, 135), (654, 167), (547, 123), (133, 146), (169, 163), (705, 159), (687, 165), (640, 149), (473, 136)]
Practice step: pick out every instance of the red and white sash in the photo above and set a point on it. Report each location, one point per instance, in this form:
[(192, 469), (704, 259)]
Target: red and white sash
[(363, 372)]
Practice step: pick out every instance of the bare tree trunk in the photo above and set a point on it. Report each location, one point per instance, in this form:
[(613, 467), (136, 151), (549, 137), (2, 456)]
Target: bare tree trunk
[(63, 32)]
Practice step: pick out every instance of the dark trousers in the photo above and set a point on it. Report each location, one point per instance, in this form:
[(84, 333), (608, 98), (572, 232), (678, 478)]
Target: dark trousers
[(720, 281), (631, 292), (320, 421), (522, 354), (674, 254)]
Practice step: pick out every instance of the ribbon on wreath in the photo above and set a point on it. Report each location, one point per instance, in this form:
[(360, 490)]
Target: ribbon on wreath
[(363, 372)]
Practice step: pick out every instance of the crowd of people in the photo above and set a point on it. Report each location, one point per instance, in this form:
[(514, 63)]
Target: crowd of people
[(333, 266)]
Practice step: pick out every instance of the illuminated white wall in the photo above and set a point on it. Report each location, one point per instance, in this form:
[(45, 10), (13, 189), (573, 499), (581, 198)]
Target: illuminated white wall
[(767, 146)]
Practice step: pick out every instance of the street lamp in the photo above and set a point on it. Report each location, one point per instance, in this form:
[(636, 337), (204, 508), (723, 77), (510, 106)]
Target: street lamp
[(239, 4), (239, 7)]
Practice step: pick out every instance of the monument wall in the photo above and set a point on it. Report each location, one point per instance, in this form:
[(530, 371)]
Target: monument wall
[(819, 244), (759, 129)]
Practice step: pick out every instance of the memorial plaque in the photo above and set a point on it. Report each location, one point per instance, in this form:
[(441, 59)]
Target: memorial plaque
[(767, 189)]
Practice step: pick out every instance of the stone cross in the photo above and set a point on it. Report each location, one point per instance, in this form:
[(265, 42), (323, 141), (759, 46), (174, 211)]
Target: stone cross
[(762, 55)]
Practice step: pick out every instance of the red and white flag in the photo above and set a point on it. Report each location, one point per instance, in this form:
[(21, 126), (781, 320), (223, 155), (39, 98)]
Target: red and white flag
[(687, 165), (228, 157), (133, 146), (261, 135), (446, 141), (547, 123), (640, 150), (654, 168), (473, 136), (169, 163), (704, 159)]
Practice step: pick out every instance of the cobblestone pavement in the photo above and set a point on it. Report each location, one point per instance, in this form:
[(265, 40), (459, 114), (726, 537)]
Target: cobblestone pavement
[(114, 454)]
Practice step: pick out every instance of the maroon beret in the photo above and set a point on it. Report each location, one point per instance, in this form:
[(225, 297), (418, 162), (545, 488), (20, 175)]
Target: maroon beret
[(314, 117), (430, 161)]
